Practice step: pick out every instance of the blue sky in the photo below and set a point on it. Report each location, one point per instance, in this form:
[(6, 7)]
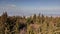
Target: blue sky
[(29, 7)]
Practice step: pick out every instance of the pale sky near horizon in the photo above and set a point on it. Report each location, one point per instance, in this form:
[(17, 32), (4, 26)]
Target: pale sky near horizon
[(29, 7)]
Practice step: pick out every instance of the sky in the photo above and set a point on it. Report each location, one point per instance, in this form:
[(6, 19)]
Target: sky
[(30, 7)]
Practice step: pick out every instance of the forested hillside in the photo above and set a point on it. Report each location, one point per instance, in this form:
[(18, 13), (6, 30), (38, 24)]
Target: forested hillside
[(36, 24)]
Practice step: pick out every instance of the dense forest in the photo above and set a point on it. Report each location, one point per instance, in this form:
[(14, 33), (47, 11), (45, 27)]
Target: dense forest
[(35, 24)]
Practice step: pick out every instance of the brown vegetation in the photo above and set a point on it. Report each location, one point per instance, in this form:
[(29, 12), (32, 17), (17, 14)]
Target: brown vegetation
[(31, 25)]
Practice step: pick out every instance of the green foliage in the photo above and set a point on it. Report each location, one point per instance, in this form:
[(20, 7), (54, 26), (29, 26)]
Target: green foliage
[(29, 20), (58, 24)]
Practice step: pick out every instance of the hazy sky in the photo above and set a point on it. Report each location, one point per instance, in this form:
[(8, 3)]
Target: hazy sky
[(29, 7)]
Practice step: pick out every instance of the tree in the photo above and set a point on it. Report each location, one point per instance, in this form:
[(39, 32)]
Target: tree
[(3, 21), (39, 19), (34, 18), (42, 18)]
